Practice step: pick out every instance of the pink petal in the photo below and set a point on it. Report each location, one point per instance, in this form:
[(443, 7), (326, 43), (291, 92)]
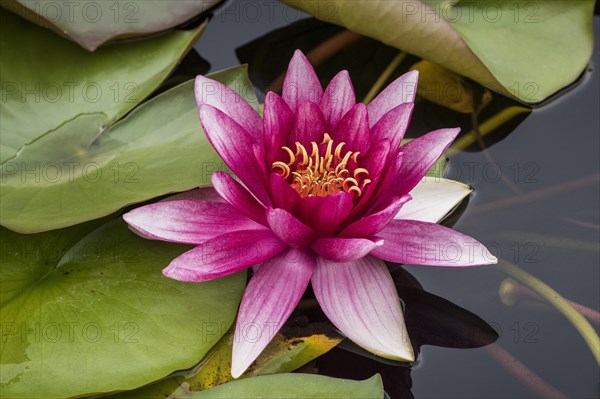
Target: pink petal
[(344, 249), (338, 98), (377, 163), (353, 129), (401, 90), (301, 83), (289, 229), (360, 299), (235, 145), (216, 94), (188, 221), (377, 158), (419, 155), (433, 199), (372, 224), (271, 296), (202, 193), (422, 243), (238, 197), (388, 186), (393, 125), (224, 255), (260, 157), (324, 214), (281, 193), (278, 123), (309, 125)]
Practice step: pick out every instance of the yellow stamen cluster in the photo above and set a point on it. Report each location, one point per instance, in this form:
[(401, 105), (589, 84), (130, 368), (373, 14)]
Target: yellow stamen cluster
[(321, 175)]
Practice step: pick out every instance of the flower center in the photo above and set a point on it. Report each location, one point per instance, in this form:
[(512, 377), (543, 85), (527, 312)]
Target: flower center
[(325, 171)]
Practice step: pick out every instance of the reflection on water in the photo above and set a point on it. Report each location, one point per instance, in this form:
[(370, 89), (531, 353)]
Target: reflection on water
[(535, 204)]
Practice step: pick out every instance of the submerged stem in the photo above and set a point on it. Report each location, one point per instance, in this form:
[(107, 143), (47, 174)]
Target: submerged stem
[(536, 195), (385, 75), (512, 293), (476, 128), (486, 127), (523, 373), (560, 303)]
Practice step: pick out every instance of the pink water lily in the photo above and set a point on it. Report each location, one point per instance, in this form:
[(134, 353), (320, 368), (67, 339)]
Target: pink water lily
[(323, 183)]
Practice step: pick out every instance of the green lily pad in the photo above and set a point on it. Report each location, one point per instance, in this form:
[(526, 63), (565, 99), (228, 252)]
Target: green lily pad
[(91, 23), (288, 351), (48, 81), (94, 315), (529, 50), (74, 174), (295, 386), (465, 98)]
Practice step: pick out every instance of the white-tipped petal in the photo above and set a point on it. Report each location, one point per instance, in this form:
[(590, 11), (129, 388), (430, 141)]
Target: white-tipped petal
[(360, 299), (433, 198), (271, 296)]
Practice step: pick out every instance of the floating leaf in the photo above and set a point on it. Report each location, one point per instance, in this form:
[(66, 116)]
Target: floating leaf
[(448, 89), (295, 386), (288, 351), (91, 23), (98, 316), (43, 91), (77, 175), (529, 50), (294, 347)]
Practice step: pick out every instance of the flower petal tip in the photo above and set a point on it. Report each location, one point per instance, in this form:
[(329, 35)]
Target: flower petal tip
[(300, 54), (136, 219), (237, 368), (402, 353), (201, 83), (412, 75), (454, 132), (128, 218), (170, 272), (491, 258)]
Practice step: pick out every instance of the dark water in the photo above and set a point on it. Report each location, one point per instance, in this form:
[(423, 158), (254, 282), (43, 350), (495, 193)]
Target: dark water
[(556, 145)]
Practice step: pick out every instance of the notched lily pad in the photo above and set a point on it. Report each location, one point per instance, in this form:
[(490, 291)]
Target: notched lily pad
[(528, 50), (157, 149), (42, 90), (292, 348), (295, 386), (83, 316), (92, 23), (450, 90)]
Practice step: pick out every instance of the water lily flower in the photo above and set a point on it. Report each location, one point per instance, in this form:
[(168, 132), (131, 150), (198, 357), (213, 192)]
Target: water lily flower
[(323, 197)]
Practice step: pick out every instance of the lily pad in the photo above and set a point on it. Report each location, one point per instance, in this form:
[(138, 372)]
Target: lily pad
[(449, 89), (288, 351), (74, 174), (295, 386), (91, 23), (43, 90), (98, 316), (529, 50)]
